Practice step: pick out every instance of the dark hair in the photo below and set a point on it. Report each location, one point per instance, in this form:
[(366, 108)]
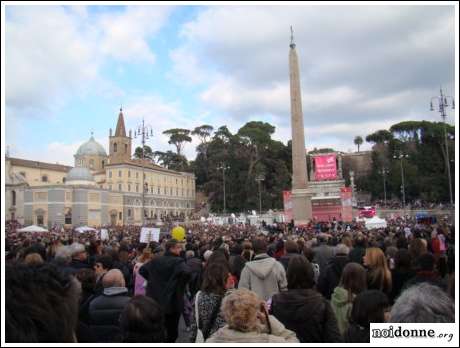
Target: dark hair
[(105, 260), (87, 278), (259, 246), (300, 274), (426, 262), (41, 304), (354, 279), (441, 266), (403, 260), (215, 277), (368, 307), (219, 256), (171, 244), (291, 246), (142, 321), (417, 248), (309, 253)]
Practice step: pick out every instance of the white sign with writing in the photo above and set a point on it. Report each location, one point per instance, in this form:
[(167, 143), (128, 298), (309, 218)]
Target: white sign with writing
[(104, 234), (149, 235)]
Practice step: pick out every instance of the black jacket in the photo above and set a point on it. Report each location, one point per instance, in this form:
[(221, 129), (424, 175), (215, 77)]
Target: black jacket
[(330, 277), (357, 334), (399, 278), (195, 267), (166, 279), (308, 314), (285, 260), (104, 313), (357, 254)]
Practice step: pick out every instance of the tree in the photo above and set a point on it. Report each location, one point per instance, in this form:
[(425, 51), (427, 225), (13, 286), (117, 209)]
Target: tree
[(147, 152), (203, 133), (379, 137), (358, 141), (177, 137), (173, 161)]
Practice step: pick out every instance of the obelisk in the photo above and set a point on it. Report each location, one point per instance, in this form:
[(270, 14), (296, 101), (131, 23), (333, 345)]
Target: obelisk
[(301, 198)]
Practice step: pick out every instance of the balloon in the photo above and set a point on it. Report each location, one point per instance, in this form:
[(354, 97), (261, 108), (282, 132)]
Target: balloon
[(178, 233)]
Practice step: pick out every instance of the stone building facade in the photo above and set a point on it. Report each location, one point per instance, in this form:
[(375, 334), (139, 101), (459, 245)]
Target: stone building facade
[(101, 189)]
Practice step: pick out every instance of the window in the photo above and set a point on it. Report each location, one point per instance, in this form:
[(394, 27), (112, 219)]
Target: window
[(119, 215), (102, 163), (114, 147), (151, 190), (159, 190), (13, 197), (165, 191), (91, 163), (119, 187), (40, 220), (177, 192), (129, 212), (110, 187), (171, 191), (44, 178), (137, 187), (126, 151), (23, 174), (119, 173), (110, 173), (129, 187), (137, 175), (129, 173), (63, 180), (176, 181)]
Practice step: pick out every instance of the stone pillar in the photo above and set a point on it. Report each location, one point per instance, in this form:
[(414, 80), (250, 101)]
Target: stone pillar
[(301, 198)]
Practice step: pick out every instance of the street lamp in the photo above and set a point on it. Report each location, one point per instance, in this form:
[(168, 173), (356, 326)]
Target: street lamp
[(143, 132), (442, 104), (384, 171), (224, 167), (259, 180), (401, 156)]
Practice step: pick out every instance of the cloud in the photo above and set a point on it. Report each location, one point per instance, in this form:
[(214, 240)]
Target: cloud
[(54, 53), (362, 68)]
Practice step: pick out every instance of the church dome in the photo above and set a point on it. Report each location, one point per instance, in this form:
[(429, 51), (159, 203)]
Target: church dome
[(80, 174), (91, 148)]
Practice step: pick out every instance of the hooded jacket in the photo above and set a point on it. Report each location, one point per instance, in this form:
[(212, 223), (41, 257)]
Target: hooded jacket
[(308, 314), (342, 308), (279, 335), (264, 275)]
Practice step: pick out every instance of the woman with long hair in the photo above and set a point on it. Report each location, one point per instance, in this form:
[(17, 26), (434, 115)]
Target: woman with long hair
[(378, 273), (352, 283)]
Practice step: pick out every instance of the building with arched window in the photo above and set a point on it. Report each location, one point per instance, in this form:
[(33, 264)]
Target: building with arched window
[(101, 189)]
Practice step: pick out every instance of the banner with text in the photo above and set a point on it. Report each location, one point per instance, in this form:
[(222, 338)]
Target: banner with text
[(325, 167), (287, 199), (347, 206)]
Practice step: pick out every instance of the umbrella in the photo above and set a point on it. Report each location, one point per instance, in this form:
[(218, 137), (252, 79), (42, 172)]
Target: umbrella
[(33, 228), (83, 229)]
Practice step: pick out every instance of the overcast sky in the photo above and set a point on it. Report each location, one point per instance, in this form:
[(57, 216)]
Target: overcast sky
[(363, 68)]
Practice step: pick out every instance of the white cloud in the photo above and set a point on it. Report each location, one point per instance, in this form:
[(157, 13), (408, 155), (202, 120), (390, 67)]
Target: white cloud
[(54, 53), (358, 64), (125, 35)]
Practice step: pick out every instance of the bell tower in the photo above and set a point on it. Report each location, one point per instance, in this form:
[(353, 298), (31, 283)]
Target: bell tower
[(120, 144)]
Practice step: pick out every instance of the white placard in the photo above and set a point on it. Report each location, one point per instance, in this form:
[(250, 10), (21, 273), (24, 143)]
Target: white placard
[(104, 234), (150, 235)]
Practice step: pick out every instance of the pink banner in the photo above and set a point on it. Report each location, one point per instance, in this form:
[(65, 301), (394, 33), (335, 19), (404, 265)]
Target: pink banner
[(325, 167), (287, 199), (347, 208)]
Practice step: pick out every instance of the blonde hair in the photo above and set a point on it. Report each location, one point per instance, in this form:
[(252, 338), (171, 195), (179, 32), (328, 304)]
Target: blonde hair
[(377, 262), (33, 259), (240, 310)]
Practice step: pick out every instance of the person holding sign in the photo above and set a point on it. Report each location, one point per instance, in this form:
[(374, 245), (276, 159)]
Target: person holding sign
[(166, 279)]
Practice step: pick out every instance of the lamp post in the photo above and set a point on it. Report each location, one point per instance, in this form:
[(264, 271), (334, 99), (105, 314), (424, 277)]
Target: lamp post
[(401, 156), (224, 167), (259, 180), (384, 172), (143, 132), (442, 104)]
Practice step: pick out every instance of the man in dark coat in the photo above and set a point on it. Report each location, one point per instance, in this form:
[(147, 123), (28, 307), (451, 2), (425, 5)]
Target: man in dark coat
[(291, 250), (330, 277), (166, 279), (79, 258), (105, 309)]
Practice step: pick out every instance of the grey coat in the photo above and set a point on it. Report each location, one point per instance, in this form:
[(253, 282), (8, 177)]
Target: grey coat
[(265, 276)]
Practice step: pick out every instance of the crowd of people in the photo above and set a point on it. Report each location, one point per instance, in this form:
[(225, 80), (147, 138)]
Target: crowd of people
[(322, 282)]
